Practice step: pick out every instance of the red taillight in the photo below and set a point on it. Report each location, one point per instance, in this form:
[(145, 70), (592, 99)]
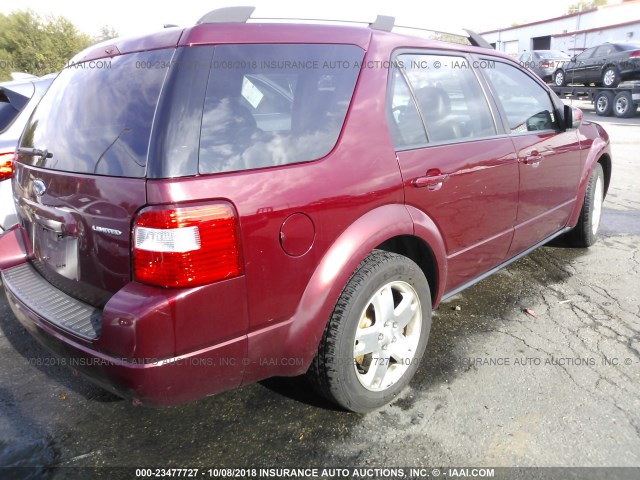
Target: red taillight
[(6, 165), (186, 246), (546, 64), (635, 54)]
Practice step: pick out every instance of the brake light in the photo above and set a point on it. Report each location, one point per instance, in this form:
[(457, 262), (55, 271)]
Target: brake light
[(186, 246), (546, 64), (635, 54), (6, 165)]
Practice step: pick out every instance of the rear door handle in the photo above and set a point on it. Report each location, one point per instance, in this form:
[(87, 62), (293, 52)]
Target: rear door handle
[(431, 182)]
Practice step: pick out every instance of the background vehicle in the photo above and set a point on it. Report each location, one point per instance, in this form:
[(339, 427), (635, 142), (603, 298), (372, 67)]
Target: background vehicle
[(189, 239), (543, 62), (605, 65), (18, 98)]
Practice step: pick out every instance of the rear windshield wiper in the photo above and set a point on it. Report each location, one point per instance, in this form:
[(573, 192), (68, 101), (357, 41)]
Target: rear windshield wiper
[(35, 152)]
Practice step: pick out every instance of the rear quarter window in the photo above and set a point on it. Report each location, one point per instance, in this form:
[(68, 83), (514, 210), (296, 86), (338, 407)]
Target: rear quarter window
[(269, 105)]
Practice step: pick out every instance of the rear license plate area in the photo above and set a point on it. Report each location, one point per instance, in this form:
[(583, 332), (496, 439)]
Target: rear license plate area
[(59, 253)]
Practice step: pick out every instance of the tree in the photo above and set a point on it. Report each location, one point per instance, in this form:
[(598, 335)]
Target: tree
[(107, 32), (31, 44), (585, 5)]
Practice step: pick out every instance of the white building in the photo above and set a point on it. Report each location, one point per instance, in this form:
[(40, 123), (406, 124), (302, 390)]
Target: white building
[(573, 33)]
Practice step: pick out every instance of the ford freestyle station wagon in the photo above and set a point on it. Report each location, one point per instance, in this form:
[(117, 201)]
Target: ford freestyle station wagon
[(203, 208)]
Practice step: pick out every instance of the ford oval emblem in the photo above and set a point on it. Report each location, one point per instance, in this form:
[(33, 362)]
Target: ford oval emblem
[(38, 188)]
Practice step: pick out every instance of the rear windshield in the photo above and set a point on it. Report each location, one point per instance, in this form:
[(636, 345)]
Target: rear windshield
[(269, 105), (552, 54), (96, 117), (629, 46)]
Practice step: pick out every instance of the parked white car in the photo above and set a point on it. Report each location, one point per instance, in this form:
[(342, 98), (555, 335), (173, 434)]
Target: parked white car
[(18, 98)]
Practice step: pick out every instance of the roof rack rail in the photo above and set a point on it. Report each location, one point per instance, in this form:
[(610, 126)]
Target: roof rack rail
[(474, 39), (477, 40), (382, 23), (228, 15)]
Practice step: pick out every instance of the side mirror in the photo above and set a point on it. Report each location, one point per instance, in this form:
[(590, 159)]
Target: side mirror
[(573, 59), (572, 117)]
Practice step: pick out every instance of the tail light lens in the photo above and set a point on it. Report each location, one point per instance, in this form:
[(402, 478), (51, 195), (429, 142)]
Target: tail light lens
[(186, 246), (6, 165), (635, 54), (546, 64)]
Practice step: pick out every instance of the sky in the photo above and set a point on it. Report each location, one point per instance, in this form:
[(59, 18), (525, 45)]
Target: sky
[(129, 17)]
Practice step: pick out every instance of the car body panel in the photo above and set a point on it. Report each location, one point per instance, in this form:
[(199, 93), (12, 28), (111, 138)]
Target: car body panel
[(91, 258), (14, 248), (548, 186), (150, 380), (483, 179)]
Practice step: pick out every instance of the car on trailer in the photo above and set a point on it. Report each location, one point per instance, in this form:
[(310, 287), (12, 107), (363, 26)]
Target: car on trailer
[(606, 65)]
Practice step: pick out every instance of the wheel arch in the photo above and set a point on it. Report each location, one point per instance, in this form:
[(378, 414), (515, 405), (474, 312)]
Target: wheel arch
[(605, 161), (396, 228), (417, 250), (600, 152)]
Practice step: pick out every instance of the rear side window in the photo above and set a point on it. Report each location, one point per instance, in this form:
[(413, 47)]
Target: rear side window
[(604, 51), (526, 104), (584, 55), (449, 98), (96, 117), (269, 105)]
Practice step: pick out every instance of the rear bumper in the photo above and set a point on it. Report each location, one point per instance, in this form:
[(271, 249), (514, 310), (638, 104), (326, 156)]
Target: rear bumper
[(156, 346), (154, 382), (546, 73)]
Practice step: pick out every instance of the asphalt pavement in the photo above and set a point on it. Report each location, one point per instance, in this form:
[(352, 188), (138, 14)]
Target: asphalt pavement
[(537, 366)]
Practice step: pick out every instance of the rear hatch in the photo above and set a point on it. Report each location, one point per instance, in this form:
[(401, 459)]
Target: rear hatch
[(80, 175)]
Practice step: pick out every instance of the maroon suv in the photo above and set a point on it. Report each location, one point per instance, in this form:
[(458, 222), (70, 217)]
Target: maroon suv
[(203, 208)]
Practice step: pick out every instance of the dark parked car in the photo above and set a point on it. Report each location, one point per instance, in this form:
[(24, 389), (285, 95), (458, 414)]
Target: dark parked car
[(18, 98), (543, 62), (173, 245), (605, 65)]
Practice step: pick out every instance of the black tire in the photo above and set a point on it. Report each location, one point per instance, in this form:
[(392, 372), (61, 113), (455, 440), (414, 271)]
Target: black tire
[(560, 78), (623, 106), (603, 103), (610, 77), (585, 234), (337, 371)]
